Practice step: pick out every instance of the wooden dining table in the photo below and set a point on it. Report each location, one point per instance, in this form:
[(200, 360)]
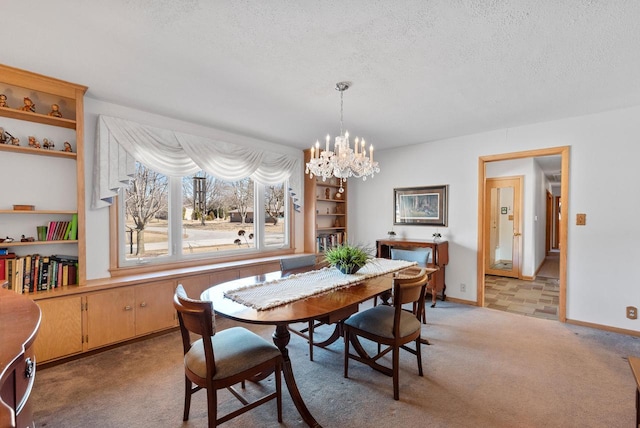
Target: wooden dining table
[(330, 307)]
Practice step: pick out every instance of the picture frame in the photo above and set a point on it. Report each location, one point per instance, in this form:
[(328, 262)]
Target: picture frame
[(420, 206)]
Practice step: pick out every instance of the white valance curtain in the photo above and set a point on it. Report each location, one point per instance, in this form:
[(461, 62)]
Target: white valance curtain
[(121, 142)]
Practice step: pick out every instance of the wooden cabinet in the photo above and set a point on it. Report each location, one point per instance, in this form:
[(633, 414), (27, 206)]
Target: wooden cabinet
[(124, 313), (50, 179), (194, 285), (61, 328), (440, 258), (93, 317), (154, 309), (110, 317), (325, 212)]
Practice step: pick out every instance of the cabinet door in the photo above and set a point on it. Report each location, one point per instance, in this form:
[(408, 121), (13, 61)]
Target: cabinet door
[(196, 284), (154, 307), (259, 269), (110, 317), (60, 331)]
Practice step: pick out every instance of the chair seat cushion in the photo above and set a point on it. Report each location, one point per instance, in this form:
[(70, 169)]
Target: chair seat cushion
[(379, 321), (235, 350)]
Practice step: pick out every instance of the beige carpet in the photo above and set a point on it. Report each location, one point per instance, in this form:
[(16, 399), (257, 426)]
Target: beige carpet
[(485, 368)]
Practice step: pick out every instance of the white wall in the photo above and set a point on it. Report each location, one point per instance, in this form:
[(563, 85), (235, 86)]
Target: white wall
[(97, 221), (602, 256)]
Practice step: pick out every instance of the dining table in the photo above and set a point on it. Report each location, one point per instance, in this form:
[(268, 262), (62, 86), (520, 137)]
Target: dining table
[(330, 306)]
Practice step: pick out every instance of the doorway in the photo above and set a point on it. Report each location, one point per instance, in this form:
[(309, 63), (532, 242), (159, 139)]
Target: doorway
[(502, 248), (484, 237)]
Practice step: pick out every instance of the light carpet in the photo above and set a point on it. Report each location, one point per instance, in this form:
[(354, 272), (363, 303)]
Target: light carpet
[(485, 368)]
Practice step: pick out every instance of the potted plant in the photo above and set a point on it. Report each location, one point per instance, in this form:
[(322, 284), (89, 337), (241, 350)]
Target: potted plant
[(347, 258)]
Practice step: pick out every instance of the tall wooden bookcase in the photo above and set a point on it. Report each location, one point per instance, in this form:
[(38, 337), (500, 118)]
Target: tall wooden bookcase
[(325, 215), (52, 180)]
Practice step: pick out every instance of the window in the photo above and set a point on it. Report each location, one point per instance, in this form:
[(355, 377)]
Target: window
[(167, 219)]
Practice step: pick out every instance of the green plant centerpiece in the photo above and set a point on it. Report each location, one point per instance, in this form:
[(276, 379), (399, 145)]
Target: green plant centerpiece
[(347, 258)]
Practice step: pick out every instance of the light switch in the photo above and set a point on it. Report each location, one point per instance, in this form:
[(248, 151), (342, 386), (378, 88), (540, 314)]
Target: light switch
[(581, 219)]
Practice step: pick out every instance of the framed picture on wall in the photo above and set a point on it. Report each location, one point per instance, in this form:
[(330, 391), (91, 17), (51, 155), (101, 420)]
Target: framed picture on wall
[(426, 206)]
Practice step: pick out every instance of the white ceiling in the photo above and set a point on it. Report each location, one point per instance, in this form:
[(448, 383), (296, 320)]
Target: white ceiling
[(421, 70)]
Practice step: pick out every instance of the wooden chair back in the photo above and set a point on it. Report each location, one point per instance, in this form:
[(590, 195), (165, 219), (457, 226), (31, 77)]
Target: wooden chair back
[(297, 262), (408, 289), (197, 317)]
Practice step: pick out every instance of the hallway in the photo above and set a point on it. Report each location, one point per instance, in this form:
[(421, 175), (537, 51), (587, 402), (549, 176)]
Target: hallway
[(538, 298)]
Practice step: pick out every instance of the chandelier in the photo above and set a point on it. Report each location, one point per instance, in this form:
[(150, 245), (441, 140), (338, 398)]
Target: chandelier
[(343, 161)]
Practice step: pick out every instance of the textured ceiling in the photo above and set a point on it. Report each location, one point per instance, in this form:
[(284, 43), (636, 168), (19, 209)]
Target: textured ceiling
[(421, 70)]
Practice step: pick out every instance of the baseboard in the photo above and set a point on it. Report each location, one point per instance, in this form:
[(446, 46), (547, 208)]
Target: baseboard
[(605, 328), (462, 301)]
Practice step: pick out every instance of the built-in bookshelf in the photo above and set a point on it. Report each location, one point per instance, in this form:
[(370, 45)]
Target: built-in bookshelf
[(325, 210), (42, 168)]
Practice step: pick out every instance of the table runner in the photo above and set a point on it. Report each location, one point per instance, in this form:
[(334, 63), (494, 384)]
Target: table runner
[(268, 294)]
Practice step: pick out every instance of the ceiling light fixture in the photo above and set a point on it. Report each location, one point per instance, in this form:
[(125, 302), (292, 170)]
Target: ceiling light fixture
[(343, 162)]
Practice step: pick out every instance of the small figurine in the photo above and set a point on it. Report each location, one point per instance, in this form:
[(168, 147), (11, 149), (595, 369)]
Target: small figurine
[(7, 239), (55, 111), (28, 105), (3, 137), (67, 147), (29, 239), (33, 143), (48, 145), (3, 100), (15, 141), (327, 193)]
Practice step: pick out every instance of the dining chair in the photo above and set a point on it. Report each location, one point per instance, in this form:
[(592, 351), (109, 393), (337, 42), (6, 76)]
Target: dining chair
[(217, 360), (289, 263), (423, 257), (390, 326), (286, 266)]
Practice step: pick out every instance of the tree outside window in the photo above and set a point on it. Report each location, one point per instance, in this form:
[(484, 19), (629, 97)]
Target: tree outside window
[(216, 217)]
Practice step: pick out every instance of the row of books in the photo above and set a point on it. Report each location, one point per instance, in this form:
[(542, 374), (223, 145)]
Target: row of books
[(62, 230), (330, 240), (33, 273)]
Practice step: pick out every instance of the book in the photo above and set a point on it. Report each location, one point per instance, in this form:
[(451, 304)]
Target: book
[(50, 230), (59, 275), (63, 229), (26, 275), (35, 272), (73, 234), (66, 258), (3, 265), (73, 270), (56, 230), (8, 272), (67, 231), (19, 275), (59, 231), (43, 282)]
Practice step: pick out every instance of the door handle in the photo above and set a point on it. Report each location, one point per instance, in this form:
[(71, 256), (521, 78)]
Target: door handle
[(517, 234)]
